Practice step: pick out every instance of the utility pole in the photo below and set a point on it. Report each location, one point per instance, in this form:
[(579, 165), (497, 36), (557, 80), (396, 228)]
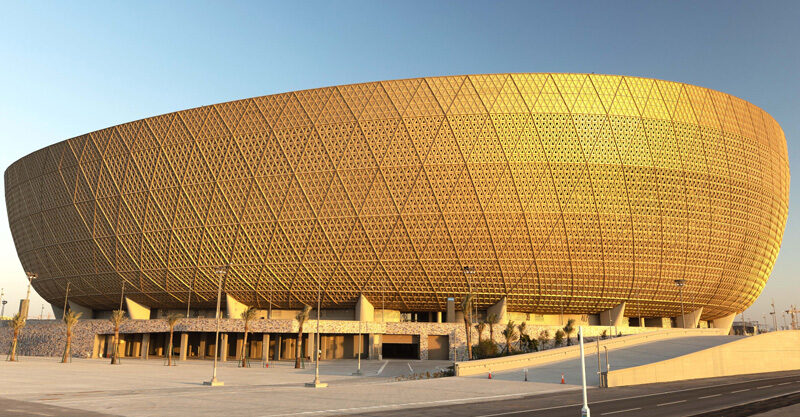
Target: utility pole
[(774, 316), (793, 314)]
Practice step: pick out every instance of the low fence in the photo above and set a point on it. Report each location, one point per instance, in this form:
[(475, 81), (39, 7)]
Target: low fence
[(768, 352), (526, 360)]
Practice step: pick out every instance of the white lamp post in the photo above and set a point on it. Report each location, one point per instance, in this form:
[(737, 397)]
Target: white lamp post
[(585, 408), (221, 271), (680, 283), (317, 383)]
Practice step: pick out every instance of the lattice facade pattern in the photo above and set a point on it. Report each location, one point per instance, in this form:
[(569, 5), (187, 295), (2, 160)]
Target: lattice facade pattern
[(565, 192)]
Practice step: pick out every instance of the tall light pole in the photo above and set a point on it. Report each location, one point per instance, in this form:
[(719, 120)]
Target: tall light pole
[(317, 383), (774, 317), (3, 302), (468, 272), (221, 271), (23, 309), (680, 283), (585, 409), (66, 298)]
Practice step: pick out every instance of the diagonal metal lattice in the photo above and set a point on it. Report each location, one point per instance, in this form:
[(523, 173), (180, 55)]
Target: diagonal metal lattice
[(565, 192)]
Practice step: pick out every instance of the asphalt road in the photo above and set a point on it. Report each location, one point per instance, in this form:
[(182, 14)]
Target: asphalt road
[(685, 398)]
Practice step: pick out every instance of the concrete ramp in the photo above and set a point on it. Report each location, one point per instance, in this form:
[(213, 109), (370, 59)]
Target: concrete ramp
[(769, 352), (619, 358)]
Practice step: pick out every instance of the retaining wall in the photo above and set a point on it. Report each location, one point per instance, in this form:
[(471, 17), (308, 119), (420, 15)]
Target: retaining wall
[(768, 352), (526, 360)]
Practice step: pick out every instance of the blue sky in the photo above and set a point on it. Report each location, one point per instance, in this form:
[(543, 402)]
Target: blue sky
[(67, 68)]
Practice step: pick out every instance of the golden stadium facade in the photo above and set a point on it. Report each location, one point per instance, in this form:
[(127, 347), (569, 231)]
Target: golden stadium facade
[(565, 193)]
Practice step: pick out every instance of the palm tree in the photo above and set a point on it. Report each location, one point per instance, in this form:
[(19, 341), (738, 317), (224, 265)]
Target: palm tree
[(116, 319), (17, 323), (491, 320), (544, 336), (510, 334), (248, 315), (480, 327), (70, 318), (466, 307), (172, 320), (558, 339), (523, 336), (301, 318), (569, 329)]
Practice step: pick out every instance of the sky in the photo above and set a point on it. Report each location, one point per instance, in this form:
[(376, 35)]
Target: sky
[(68, 68)]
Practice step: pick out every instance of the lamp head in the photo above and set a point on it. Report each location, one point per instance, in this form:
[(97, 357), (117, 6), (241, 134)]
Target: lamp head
[(31, 275), (222, 270)]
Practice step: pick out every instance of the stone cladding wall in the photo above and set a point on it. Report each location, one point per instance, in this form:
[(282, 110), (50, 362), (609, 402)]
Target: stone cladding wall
[(47, 337)]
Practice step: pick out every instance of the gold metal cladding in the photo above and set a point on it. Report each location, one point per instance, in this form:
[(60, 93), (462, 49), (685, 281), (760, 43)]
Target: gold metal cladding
[(566, 192)]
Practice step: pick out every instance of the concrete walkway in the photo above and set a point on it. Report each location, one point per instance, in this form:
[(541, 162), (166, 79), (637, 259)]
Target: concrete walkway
[(619, 359), (147, 388)]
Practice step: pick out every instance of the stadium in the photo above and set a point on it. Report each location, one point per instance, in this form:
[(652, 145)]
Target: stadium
[(543, 195)]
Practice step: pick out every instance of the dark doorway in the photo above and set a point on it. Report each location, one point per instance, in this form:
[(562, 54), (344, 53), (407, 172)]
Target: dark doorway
[(400, 351)]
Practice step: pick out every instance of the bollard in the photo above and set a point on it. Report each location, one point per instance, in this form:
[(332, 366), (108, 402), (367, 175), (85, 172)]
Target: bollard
[(526, 374)]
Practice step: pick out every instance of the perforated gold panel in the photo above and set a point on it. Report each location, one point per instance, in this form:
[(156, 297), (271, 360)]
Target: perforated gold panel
[(565, 192)]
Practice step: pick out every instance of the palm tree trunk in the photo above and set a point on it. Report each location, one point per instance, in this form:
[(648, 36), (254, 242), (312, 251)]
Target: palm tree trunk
[(66, 348), (491, 332), (114, 356), (467, 329), (244, 348), (169, 352), (298, 350), (13, 356)]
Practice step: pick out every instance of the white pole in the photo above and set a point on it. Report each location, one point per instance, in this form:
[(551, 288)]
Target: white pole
[(585, 409)]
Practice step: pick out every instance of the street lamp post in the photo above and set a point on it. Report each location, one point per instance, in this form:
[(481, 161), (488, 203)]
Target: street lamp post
[(317, 383), (680, 283), (24, 310), (468, 271), (221, 271)]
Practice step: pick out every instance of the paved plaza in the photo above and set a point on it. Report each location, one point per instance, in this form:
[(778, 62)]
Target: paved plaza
[(148, 388)]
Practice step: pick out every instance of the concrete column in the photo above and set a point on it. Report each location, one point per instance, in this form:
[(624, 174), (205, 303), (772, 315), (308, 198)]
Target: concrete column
[(613, 317), (96, 346), (438, 316), (233, 307), (86, 312), (184, 345), (641, 322), (312, 346), (136, 349), (223, 347), (278, 343), (724, 322), (690, 319), (265, 347), (239, 342), (145, 345), (364, 309), (500, 309), (137, 311), (201, 350), (451, 310), (423, 346)]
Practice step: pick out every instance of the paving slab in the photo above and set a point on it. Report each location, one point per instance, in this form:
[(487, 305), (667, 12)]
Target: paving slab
[(147, 388)]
